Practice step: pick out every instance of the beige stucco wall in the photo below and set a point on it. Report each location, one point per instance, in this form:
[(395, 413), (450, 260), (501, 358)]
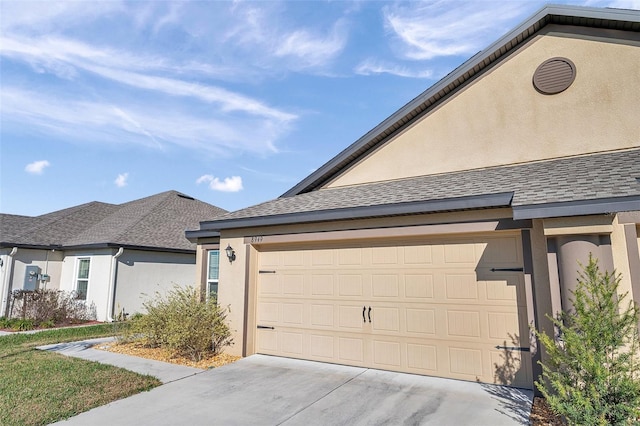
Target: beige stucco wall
[(232, 290), (140, 274), (501, 119)]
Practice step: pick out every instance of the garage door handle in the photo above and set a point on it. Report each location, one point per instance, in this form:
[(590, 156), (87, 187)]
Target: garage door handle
[(369, 313), (513, 348), (364, 309)]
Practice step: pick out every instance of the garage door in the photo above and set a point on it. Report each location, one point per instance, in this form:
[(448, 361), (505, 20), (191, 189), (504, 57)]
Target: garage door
[(452, 308)]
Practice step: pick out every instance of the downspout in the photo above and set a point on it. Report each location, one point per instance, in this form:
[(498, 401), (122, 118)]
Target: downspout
[(112, 284), (6, 277)]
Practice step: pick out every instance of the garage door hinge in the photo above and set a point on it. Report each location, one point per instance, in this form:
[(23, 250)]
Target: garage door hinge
[(507, 269), (266, 272), (266, 327), (513, 348)]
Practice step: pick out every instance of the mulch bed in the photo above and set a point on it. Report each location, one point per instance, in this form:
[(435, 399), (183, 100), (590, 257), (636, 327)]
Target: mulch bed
[(541, 414), (159, 354)]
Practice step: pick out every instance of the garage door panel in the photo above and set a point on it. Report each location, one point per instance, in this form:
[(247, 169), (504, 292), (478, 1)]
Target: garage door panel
[(437, 308), (322, 346), (386, 354), (322, 257), (293, 258), (267, 341), (292, 313), (292, 343), (384, 256), (385, 285), (269, 285), (350, 317), (322, 315), (322, 285), (350, 285), (465, 362), (463, 324), (422, 357), (461, 286), (417, 255), (418, 286), (421, 321), (293, 284), (460, 253), (350, 256), (385, 319), (351, 349)]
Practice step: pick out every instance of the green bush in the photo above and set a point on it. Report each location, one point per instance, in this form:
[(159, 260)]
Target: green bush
[(182, 323), (593, 373)]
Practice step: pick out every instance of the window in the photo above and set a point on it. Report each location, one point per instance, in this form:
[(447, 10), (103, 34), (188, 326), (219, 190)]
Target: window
[(82, 283), (213, 272)]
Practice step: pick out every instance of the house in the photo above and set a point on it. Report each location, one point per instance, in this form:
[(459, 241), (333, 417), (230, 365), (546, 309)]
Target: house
[(114, 256), (431, 244)]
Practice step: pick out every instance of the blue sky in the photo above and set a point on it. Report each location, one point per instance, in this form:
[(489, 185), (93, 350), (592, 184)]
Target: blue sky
[(232, 103)]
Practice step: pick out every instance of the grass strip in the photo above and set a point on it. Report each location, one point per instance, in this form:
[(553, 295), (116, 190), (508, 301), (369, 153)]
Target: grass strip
[(39, 387)]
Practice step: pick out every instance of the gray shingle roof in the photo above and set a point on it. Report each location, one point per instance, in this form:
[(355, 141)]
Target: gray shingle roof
[(592, 177), (158, 221)]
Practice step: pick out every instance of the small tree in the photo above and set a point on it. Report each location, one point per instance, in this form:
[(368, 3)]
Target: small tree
[(592, 376)]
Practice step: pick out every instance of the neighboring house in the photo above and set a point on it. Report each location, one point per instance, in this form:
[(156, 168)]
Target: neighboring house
[(114, 256), (430, 244)]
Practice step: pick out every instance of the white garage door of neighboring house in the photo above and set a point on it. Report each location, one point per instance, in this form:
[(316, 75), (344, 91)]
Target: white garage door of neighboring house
[(433, 307)]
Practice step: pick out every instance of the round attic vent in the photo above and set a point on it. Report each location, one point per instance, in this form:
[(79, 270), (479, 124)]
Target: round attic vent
[(554, 76)]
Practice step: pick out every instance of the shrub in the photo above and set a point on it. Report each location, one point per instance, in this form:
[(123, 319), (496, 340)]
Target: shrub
[(592, 376), (50, 307), (182, 323), (22, 324)]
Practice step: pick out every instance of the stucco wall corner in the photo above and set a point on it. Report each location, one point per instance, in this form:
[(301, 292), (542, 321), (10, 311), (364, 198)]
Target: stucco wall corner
[(231, 290)]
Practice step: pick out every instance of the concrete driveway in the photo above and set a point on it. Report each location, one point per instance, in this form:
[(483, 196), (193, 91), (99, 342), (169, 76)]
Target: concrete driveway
[(264, 390)]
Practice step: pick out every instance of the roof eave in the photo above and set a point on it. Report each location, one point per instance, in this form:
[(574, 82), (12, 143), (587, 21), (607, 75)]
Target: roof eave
[(497, 200), (577, 208), (193, 236)]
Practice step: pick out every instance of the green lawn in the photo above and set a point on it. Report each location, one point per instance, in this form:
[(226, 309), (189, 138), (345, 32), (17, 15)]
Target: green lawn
[(39, 387)]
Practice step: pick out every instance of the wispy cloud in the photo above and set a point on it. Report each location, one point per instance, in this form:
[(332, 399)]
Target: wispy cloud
[(37, 167), (53, 13), (121, 180), (373, 67), (153, 126), (65, 57), (310, 48), (228, 184), (438, 28), (276, 44)]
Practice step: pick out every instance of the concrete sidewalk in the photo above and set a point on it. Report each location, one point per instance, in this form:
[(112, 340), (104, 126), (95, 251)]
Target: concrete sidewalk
[(264, 390), (164, 371)]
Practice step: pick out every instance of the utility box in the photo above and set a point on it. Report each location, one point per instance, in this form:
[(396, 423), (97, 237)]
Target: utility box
[(31, 278)]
